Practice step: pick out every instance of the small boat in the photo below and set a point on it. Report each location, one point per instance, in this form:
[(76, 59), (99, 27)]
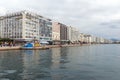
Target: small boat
[(33, 46), (28, 46)]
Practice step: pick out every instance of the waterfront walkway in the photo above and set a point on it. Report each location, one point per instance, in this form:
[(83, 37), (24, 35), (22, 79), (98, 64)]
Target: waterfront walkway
[(10, 48), (41, 47)]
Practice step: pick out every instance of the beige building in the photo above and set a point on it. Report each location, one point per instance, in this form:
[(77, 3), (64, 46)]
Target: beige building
[(55, 31), (82, 38), (59, 33)]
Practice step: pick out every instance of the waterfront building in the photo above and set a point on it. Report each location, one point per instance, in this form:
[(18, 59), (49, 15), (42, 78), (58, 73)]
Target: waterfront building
[(93, 39), (26, 26), (102, 40), (73, 34), (81, 37), (63, 32), (55, 31), (97, 40), (69, 32), (59, 33), (1, 26), (87, 38)]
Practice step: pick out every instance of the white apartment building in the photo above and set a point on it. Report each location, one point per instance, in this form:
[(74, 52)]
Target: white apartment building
[(25, 25), (82, 38), (1, 26), (73, 34), (87, 38)]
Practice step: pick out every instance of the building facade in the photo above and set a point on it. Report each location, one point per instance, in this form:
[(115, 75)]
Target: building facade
[(55, 31), (73, 34), (59, 33), (25, 26), (63, 32), (1, 26)]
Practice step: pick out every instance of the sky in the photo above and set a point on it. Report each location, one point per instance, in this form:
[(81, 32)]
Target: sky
[(96, 17)]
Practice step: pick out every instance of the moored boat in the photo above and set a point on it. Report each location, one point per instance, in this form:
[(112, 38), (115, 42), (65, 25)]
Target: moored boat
[(33, 46)]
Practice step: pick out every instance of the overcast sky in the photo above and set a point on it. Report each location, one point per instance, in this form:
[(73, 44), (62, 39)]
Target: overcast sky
[(97, 17)]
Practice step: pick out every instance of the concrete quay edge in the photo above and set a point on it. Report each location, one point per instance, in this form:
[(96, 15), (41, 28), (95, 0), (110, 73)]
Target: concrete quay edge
[(38, 48)]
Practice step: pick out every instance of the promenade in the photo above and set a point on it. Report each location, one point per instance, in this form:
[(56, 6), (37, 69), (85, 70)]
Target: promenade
[(37, 48), (10, 48)]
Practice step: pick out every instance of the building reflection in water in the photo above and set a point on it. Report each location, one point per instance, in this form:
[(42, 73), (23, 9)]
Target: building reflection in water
[(59, 61), (33, 64), (10, 65), (59, 57), (37, 64), (71, 63)]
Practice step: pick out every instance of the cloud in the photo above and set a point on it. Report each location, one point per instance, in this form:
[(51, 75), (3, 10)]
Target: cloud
[(115, 24), (2, 11), (90, 16)]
